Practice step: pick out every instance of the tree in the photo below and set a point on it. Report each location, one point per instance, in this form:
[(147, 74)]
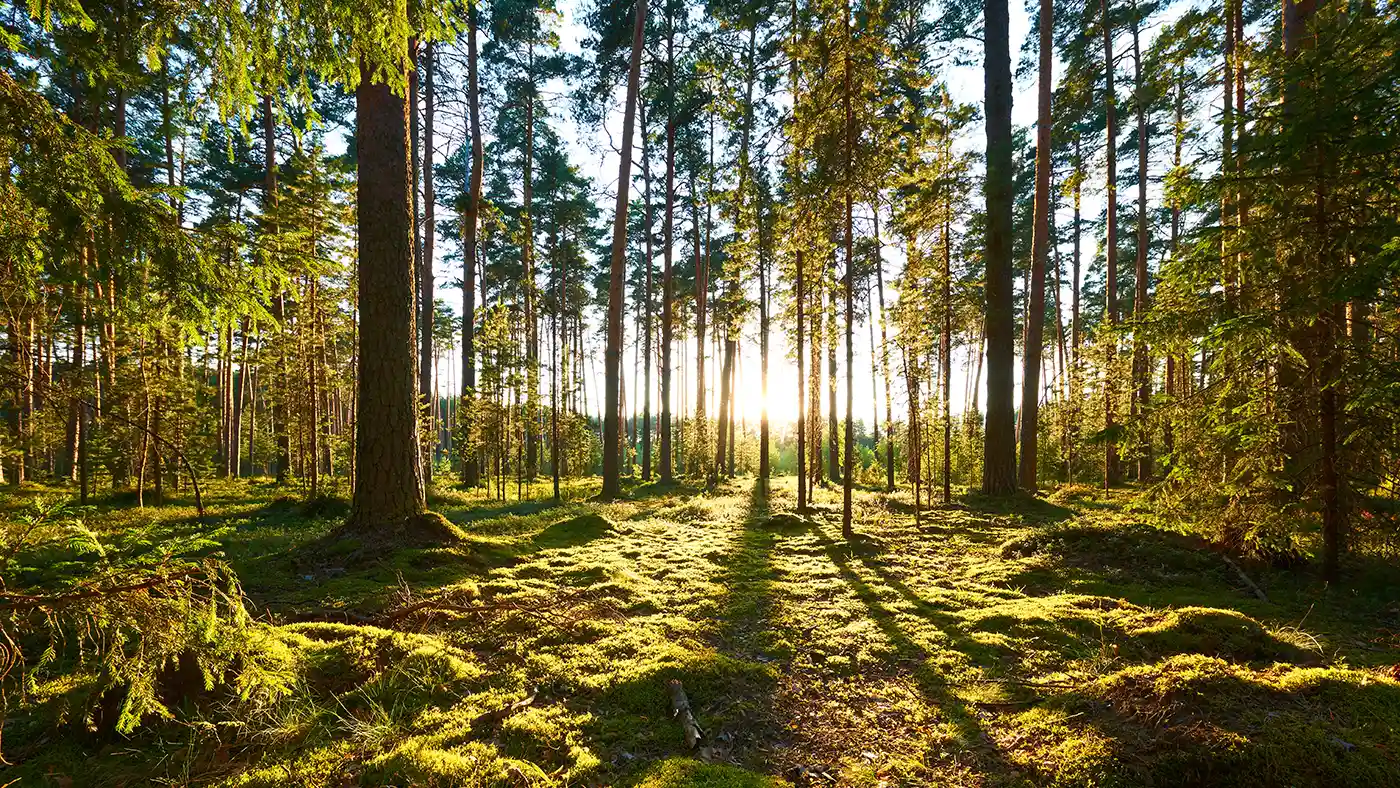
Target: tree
[(612, 411), (999, 447), (470, 220), (1040, 243), (389, 480)]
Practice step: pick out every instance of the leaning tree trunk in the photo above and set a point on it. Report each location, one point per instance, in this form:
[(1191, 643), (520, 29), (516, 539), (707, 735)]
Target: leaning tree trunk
[(389, 479), (612, 479)]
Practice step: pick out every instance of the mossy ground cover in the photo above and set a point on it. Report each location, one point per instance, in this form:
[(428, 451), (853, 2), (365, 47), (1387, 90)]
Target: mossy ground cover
[(1070, 641)]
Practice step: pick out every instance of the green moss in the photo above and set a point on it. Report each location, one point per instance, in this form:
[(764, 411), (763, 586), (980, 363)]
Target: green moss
[(991, 643), (573, 531), (687, 773)]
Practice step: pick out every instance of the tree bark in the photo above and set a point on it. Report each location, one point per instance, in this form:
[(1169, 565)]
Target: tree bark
[(1040, 244), (1142, 372), (471, 472), (1111, 473), (426, 302), (999, 445), (389, 479), (612, 481)]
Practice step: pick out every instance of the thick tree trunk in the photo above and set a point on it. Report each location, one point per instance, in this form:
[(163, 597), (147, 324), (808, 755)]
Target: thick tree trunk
[(1040, 244), (999, 451), (388, 474), (612, 480), (849, 468)]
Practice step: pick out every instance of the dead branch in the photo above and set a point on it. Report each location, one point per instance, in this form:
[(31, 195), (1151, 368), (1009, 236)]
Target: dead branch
[(1259, 592), (680, 709), (500, 715)]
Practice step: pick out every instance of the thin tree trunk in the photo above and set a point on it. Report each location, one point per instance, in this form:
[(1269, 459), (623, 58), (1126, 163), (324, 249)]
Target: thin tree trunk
[(1111, 472), (1040, 243), (471, 471), (1141, 369), (668, 230), (426, 354), (945, 352), (647, 299)]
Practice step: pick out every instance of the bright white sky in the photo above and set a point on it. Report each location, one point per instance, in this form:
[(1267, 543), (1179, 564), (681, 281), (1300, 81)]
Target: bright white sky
[(598, 159)]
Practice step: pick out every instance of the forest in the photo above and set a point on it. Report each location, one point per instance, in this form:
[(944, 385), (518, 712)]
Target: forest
[(726, 393)]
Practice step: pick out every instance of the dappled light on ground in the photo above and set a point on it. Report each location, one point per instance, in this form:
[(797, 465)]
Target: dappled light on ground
[(1022, 644)]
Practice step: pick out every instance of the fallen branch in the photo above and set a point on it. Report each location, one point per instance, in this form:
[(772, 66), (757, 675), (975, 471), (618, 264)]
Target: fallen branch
[(680, 709), (1259, 592), (500, 715)]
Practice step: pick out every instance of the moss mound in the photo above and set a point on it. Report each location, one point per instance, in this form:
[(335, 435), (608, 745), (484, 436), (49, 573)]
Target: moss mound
[(574, 531), (1210, 631), (1198, 720)]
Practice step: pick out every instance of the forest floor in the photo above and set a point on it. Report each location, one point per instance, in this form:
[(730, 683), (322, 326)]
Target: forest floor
[(1068, 641)]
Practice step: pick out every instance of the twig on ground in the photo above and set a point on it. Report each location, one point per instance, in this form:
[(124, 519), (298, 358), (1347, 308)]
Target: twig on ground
[(500, 715)]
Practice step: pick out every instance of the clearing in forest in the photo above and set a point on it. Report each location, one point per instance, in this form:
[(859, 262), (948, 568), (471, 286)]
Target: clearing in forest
[(1068, 641)]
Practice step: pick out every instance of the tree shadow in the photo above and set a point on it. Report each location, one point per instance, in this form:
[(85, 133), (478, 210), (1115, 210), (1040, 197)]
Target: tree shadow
[(1029, 508), (726, 668), (523, 508), (963, 715)]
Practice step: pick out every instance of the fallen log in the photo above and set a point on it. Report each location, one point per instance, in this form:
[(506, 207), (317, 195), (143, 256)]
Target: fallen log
[(680, 709)]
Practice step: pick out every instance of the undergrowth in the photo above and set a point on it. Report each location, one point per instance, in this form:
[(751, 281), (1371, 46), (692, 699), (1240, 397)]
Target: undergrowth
[(1072, 641)]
